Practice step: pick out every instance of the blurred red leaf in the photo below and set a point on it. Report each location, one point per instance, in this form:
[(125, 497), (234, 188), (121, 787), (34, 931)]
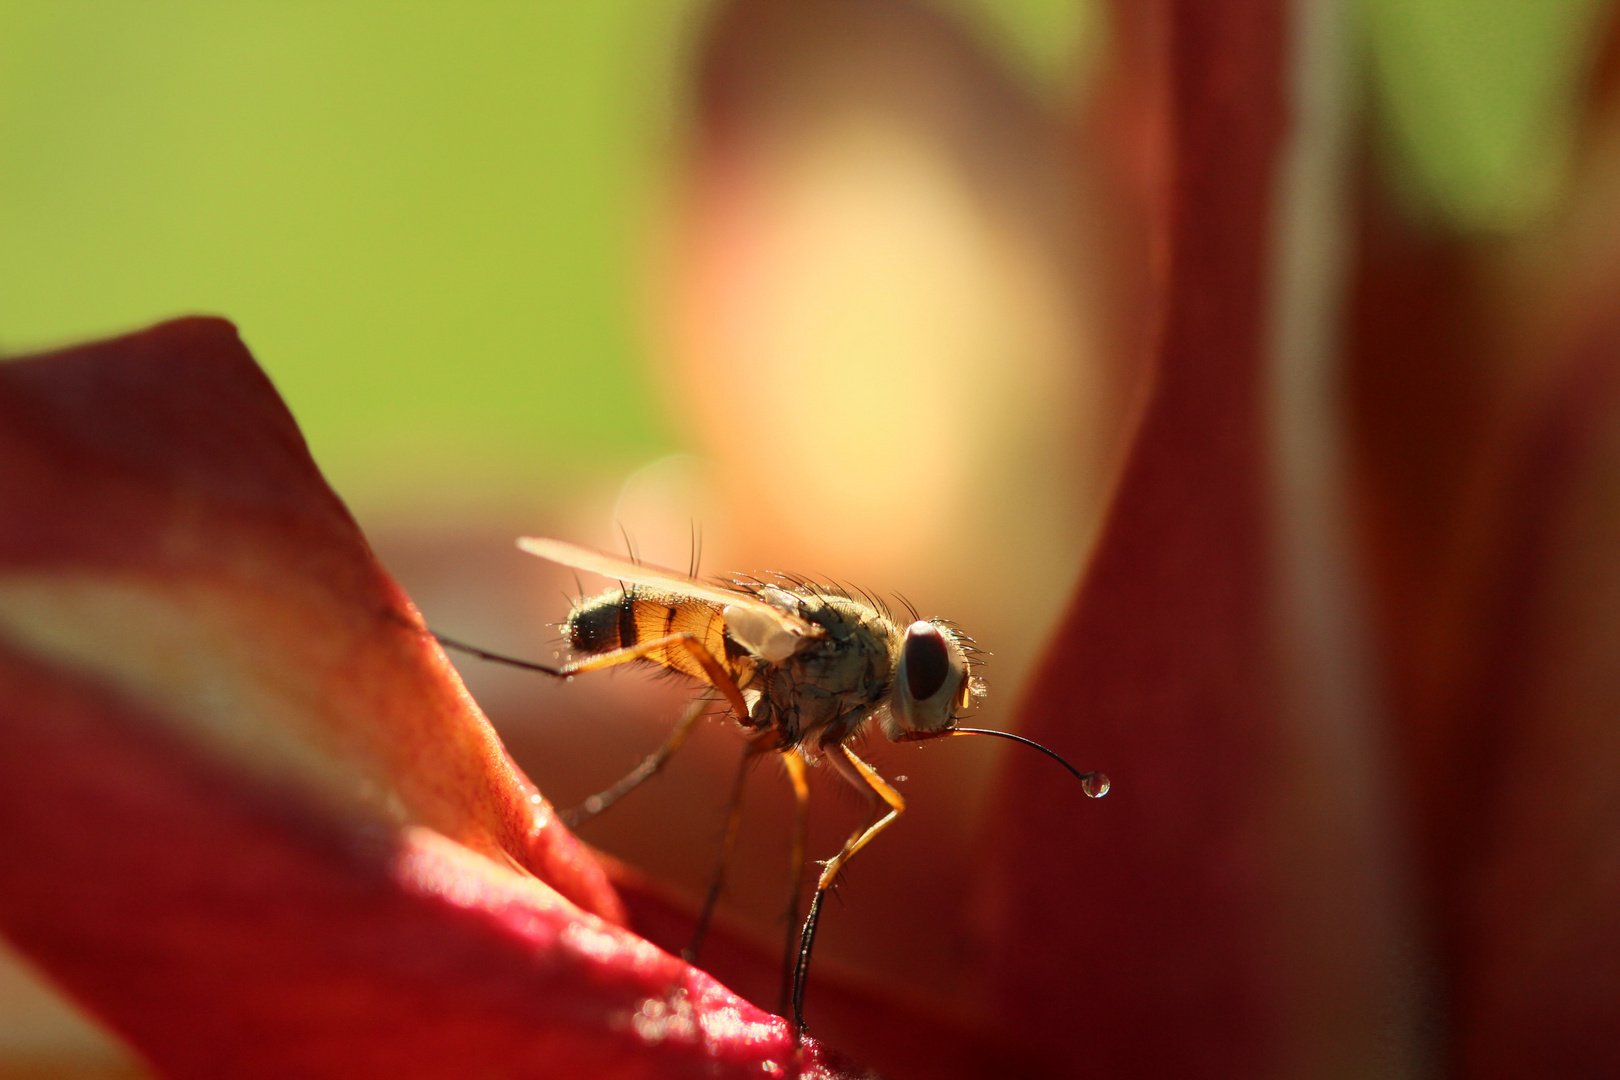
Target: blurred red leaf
[(1216, 915), (1259, 895), (1485, 379)]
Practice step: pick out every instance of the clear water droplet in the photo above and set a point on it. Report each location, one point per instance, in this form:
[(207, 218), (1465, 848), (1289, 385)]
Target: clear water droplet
[(1095, 784)]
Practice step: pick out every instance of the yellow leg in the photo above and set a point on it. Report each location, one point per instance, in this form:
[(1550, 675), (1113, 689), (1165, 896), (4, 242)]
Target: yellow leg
[(865, 780), (796, 770), (757, 745), (713, 670), (716, 672)]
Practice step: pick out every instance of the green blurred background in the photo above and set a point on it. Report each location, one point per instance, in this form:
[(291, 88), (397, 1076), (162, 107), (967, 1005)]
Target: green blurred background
[(421, 217), (431, 221)]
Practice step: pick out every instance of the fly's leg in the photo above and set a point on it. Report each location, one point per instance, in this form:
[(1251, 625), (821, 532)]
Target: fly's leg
[(865, 780), (759, 744), (715, 672), (796, 770), (645, 771)]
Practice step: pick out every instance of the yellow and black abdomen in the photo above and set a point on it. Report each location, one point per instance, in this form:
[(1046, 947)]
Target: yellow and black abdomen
[(626, 617)]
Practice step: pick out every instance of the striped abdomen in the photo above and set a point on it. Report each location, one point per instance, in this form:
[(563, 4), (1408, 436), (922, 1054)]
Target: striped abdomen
[(624, 617)]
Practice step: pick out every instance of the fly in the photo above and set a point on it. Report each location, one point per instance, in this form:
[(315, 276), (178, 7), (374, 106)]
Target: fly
[(802, 668)]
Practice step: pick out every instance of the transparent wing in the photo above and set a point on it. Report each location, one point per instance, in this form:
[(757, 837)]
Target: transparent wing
[(669, 581)]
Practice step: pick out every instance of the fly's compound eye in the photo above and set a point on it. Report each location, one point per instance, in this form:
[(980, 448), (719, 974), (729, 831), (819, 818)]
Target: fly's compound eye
[(931, 669), (925, 660)]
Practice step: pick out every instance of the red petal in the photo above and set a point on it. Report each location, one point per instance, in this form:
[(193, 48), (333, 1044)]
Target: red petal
[(896, 1036), (158, 476), (248, 813), (1528, 888)]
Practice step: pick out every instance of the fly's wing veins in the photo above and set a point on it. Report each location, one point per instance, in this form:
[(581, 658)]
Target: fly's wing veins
[(766, 631)]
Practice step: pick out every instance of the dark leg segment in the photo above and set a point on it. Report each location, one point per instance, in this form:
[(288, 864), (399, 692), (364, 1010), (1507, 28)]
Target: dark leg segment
[(793, 760), (801, 970), (759, 744)]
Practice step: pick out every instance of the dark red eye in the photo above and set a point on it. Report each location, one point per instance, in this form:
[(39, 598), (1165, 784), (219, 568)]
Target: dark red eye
[(925, 659)]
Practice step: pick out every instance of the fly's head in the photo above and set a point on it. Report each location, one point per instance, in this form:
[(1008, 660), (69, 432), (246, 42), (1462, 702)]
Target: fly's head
[(934, 683)]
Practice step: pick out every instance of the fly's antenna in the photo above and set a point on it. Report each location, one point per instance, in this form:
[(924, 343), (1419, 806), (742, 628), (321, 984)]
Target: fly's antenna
[(497, 658), (1094, 784)]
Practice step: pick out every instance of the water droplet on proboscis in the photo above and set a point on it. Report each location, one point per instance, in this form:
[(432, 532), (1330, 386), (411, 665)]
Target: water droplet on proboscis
[(1095, 784)]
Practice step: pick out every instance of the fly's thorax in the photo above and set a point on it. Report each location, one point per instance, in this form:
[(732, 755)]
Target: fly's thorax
[(855, 657), (934, 681), (834, 682)]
